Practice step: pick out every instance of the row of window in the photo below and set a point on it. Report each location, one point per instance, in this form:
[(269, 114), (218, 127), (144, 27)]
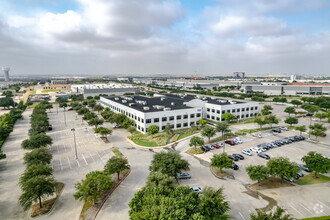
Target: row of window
[(179, 125), (232, 111), (238, 117), (171, 118)]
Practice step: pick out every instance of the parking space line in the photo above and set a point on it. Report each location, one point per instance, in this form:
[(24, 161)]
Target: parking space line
[(91, 156), (100, 156), (241, 215), (306, 209), (61, 164), (296, 209), (69, 162), (323, 204), (57, 148), (84, 159), (78, 163)]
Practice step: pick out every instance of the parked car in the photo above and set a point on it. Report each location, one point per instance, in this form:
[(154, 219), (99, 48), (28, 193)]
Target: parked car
[(284, 128), (265, 156), (184, 176), (220, 144), (205, 149), (70, 109), (256, 150), (257, 135), (240, 156), (299, 174), (291, 180), (233, 157), (238, 140), (116, 126), (210, 146), (309, 114), (230, 142), (304, 168), (197, 189), (215, 146), (50, 128), (247, 152), (276, 130), (324, 134), (235, 166)]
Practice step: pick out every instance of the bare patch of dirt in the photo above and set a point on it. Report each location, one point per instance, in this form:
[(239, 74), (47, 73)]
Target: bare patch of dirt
[(216, 172), (271, 183), (105, 139)]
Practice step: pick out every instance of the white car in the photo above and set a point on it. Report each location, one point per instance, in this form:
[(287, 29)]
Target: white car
[(247, 152), (256, 150), (197, 189), (261, 148), (284, 128), (220, 144), (210, 146), (257, 135), (238, 140)]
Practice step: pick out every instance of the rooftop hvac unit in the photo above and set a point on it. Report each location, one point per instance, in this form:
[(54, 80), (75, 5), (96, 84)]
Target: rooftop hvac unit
[(129, 98), (172, 103), (204, 98), (146, 108), (131, 104), (167, 109), (162, 99), (124, 101), (117, 99), (233, 102)]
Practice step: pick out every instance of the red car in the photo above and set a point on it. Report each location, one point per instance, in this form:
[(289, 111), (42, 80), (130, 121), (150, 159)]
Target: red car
[(215, 145), (324, 134), (230, 142)]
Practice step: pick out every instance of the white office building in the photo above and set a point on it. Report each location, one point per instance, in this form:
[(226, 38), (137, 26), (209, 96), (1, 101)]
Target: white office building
[(181, 111)]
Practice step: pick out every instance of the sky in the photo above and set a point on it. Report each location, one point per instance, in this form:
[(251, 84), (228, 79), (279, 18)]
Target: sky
[(179, 37)]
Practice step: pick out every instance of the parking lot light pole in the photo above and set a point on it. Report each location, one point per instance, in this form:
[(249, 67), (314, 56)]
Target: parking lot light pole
[(75, 144)]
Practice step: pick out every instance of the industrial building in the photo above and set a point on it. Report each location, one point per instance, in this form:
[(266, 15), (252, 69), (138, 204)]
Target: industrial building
[(180, 110)]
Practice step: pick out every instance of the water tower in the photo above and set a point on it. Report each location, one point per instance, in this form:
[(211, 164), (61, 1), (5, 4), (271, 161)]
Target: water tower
[(6, 71)]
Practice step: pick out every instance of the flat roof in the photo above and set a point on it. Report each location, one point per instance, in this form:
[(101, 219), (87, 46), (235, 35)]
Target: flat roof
[(213, 100), (155, 104)]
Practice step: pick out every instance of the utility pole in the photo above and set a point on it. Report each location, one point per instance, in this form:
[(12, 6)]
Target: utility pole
[(75, 144)]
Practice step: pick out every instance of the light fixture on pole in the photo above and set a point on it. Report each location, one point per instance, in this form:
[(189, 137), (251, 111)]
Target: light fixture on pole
[(75, 144)]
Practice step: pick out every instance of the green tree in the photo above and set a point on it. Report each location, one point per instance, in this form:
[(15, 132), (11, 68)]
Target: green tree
[(98, 108), (95, 122), (157, 179), (290, 110), (213, 204), (89, 115), (93, 187), (282, 167), (296, 102), (63, 105), (91, 103), (260, 121), (228, 116), (35, 189), (119, 118), (268, 107), (278, 214), (265, 112), (34, 171), (301, 128), (103, 131), (321, 115), (7, 102), (82, 111), (271, 119), (37, 156), (222, 127), (258, 172), (153, 129), (202, 122), (208, 132), (169, 163), (127, 123), (116, 165), (36, 141), (317, 162), (317, 130), (168, 129), (221, 161), (196, 141), (291, 121)]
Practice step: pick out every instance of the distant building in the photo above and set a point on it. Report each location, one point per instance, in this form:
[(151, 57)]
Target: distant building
[(6, 72), (56, 86), (109, 91), (239, 75), (59, 81)]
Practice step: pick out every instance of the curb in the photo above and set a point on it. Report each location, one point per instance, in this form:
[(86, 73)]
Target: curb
[(161, 147), (111, 193)]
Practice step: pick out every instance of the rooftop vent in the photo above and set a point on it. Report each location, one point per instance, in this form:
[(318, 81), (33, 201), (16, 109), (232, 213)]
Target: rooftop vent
[(172, 103), (146, 108), (117, 99), (131, 104), (167, 109), (124, 101), (162, 99)]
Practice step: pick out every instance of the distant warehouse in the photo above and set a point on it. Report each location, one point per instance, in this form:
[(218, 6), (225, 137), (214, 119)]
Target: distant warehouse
[(179, 110), (109, 91)]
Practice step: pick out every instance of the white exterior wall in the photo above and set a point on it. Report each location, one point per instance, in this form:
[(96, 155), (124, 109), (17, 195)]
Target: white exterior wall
[(141, 118)]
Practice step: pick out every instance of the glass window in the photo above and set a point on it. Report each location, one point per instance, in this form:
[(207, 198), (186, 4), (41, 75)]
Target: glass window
[(178, 117), (148, 121), (234, 110), (207, 116), (185, 124), (251, 108), (163, 127), (213, 117), (247, 115), (213, 110), (185, 116), (228, 110), (256, 108), (178, 125), (142, 120), (243, 109), (218, 119), (223, 111), (218, 111), (238, 110), (247, 109), (171, 118), (198, 115), (164, 119), (208, 109), (192, 115), (156, 119)]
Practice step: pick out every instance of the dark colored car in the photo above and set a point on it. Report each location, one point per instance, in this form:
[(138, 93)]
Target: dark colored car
[(233, 157), (207, 147), (235, 166), (184, 176), (240, 156), (309, 114), (276, 130), (70, 109), (230, 142), (203, 148), (299, 174), (265, 156), (50, 128)]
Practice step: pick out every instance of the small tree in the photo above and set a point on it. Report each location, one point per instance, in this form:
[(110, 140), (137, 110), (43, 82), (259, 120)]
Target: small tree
[(93, 187), (258, 172), (95, 122), (157, 179), (282, 167), (103, 131), (317, 162), (37, 156), (35, 189), (208, 132), (89, 115), (82, 111), (221, 161), (272, 120), (228, 116), (268, 107), (168, 129), (222, 127), (291, 121), (127, 123), (260, 121), (278, 214), (169, 163), (296, 102), (98, 108), (290, 110), (321, 116), (317, 130), (35, 170), (153, 129), (196, 141), (116, 165), (301, 128), (202, 122)]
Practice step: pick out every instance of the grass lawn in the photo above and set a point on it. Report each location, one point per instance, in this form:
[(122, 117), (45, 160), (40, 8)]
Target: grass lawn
[(116, 152), (317, 218), (50, 90), (33, 92), (48, 204), (309, 179), (198, 150), (181, 136)]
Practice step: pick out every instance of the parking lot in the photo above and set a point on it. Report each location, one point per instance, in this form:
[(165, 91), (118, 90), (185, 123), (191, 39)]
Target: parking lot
[(300, 201)]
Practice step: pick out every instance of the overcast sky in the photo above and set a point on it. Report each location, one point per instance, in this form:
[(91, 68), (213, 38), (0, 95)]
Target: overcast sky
[(165, 36)]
